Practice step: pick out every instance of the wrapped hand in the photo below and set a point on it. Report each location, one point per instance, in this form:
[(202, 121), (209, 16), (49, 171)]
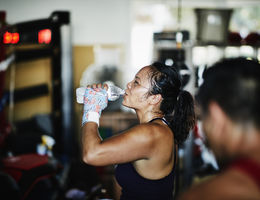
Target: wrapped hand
[(95, 100)]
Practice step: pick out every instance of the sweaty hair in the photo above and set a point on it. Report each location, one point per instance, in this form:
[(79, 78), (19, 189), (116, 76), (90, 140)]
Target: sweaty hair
[(235, 85), (177, 105)]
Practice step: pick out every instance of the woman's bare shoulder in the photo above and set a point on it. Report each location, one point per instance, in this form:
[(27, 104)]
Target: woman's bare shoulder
[(152, 130)]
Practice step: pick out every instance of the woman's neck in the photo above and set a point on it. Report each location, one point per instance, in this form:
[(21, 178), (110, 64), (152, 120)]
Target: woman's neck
[(145, 117)]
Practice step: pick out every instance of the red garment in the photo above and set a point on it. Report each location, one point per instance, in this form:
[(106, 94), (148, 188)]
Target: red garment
[(249, 167)]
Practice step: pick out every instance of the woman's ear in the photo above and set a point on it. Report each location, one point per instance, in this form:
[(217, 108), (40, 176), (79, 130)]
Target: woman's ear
[(155, 99)]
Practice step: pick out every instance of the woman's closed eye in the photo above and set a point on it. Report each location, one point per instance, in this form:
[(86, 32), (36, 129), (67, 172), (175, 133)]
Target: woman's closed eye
[(136, 82)]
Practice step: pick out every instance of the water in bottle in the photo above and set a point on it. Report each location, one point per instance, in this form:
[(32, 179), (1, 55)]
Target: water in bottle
[(113, 93)]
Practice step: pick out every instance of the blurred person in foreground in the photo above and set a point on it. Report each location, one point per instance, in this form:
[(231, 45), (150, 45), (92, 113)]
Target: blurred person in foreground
[(146, 154), (229, 101)]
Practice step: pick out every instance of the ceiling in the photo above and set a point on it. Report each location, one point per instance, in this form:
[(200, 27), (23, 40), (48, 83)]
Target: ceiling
[(205, 3)]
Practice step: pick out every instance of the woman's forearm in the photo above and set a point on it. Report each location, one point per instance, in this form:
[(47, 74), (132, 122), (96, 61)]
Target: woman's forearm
[(90, 142)]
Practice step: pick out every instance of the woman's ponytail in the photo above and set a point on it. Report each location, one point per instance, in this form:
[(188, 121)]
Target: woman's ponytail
[(184, 116), (177, 105)]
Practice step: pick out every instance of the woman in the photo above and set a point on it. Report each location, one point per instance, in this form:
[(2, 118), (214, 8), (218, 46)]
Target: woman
[(145, 154)]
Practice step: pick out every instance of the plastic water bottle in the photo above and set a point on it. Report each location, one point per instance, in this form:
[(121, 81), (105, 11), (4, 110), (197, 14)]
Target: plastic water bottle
[(113, 93)]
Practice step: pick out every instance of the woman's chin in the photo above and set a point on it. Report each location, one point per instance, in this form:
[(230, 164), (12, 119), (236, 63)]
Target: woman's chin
[(124, 103)]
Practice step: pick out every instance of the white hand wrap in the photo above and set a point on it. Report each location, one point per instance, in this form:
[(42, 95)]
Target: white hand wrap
[(91, 117)]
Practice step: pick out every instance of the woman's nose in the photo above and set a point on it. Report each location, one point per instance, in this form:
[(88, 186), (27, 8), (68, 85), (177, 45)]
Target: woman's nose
[(128, 85)]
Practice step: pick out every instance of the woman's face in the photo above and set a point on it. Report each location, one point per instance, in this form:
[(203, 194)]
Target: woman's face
[(136, 91)]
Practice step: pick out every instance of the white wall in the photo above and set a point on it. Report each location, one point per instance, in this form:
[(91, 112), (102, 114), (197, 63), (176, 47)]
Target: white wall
[(93, 21)]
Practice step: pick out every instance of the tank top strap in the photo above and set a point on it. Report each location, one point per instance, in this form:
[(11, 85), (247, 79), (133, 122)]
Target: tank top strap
[(164, 120), (175, 145)]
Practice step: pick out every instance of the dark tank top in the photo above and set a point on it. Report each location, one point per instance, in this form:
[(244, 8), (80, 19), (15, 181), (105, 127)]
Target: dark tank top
[(136, 187)]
